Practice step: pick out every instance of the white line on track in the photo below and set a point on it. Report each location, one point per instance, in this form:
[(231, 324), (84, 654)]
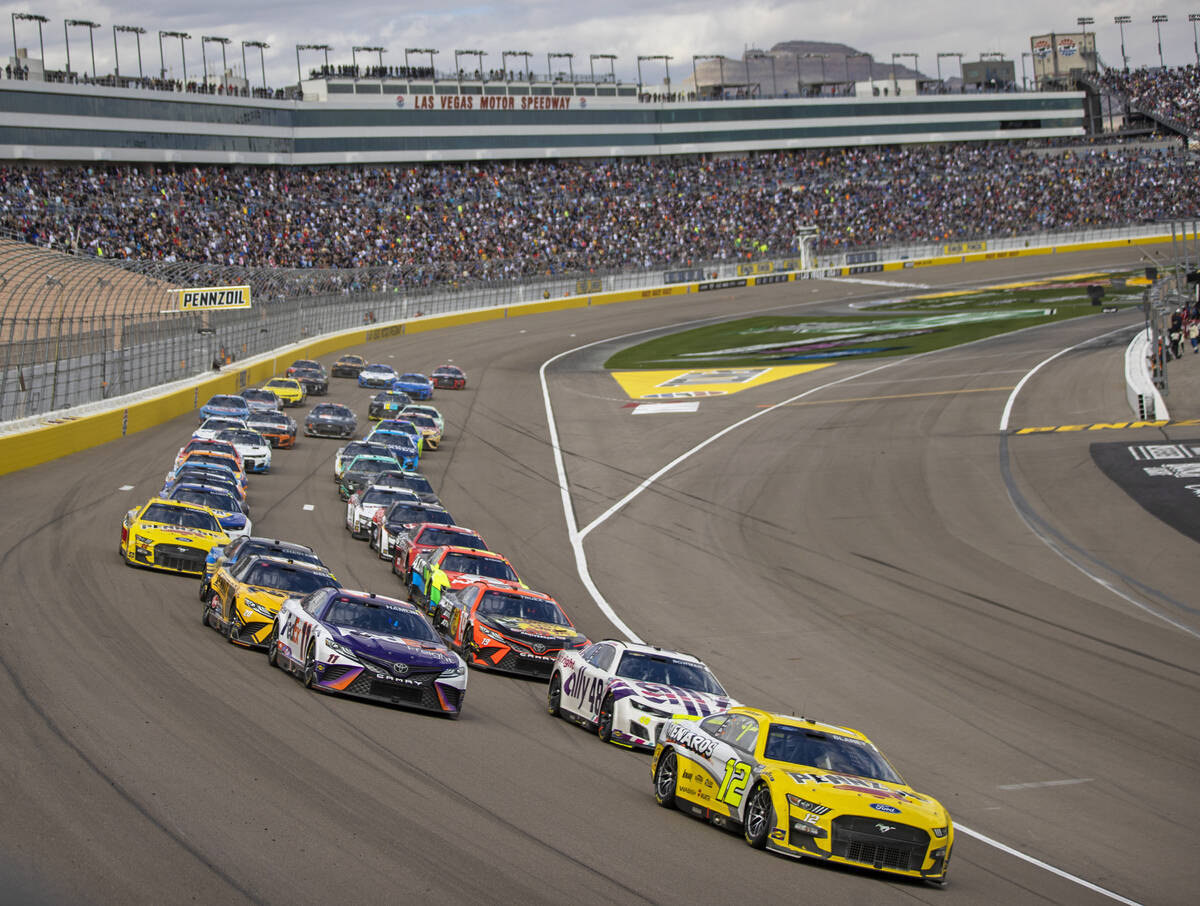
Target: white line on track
[(575, 536), (876, 282), (1038, 784), (125, 487), (308, 507)]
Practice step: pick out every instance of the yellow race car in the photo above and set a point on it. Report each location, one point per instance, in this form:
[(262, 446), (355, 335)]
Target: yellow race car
[(170, 535), (802, 789), (242, 601), (289, 390)]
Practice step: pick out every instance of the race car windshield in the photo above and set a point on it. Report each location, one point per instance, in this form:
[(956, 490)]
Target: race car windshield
[(212, 499), (436, 537), (370, 467), (180, 516), (421, 485), (383, 496), (650, 668), (498, 604), (252, 438), (297, 581), (412, 378), (381, 620), (421, 421), (401, 514), (273, 421), (841, 754), (489, 567), (232, 402)]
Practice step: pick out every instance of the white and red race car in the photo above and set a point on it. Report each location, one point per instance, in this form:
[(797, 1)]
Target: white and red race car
[(626, 691), (363, 505)]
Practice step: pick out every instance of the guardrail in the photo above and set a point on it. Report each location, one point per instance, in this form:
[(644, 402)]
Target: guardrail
[(1144, 397)]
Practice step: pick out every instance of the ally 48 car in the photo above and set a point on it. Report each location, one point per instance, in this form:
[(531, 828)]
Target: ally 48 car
[(802, 789), (628, 691)]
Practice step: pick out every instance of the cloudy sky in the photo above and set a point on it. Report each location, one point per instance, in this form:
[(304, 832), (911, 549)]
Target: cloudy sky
[(623, 27)]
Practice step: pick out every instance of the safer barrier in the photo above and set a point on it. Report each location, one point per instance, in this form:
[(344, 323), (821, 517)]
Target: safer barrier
[(70, 431), (1144, 397)]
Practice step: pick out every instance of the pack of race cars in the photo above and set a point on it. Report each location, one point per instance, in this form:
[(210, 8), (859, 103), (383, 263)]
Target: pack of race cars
[(792, 785)]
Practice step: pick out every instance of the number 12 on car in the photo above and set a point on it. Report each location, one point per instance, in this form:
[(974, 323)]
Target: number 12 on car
[(733, 784)]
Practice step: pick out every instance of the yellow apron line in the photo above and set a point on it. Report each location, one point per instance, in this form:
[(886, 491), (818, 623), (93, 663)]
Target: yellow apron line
[(1109, 426)]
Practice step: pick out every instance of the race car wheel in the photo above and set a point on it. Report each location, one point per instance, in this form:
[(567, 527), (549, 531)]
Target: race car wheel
[(554, 697), (760, 816), (310, 667), (665, 776), (604, 721), (204, 617), (272, 649)]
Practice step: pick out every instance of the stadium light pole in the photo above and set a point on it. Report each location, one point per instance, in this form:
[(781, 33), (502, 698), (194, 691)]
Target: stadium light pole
[(915, 59), (612, 64), (478, 54), (1194, 18), (261, 45), (708, 56), (759, 55), (30, 17), (870, 68), (658, 56), (182, 36), (137, 31), (1025, 78), (939, 65), (322, 47), (91, 27), (1121, 22), (213, 39), (569, 57), (429, 50), (1158, 19), (1083, 22), (354, 58), (810, 56)]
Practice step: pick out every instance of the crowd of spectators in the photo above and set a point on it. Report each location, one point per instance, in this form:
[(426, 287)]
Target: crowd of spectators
[(435, 224), (1172, 95), (371, 72)]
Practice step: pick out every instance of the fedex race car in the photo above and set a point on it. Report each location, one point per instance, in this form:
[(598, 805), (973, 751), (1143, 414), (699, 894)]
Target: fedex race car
[(367, 646), (802, 789), (627, 692)]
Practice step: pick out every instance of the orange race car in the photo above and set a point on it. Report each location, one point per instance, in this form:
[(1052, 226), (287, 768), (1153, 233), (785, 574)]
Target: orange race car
[(500, 627)]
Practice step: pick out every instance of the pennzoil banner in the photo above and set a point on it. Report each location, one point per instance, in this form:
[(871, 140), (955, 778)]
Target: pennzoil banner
[(209, 297)]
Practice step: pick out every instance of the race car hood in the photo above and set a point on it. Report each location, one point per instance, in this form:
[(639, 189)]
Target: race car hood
[(680, 701), (461, 580), (858, 795), (416, 654), (530, 629)]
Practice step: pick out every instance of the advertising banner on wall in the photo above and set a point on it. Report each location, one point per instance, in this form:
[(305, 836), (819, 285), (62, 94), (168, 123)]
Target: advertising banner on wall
[(207, 298), (1056, 56)]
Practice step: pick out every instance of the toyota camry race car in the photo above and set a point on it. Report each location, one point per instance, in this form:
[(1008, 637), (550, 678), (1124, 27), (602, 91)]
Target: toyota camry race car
[(277, 427), (367, 646), (252, 546), (449, 377), (802, 788), (444, 568), (627, 691), (348, 366), (411, 541), (387, 524), (244, 598), (513, 630), (171, 536), (387, 404), (431, 434)]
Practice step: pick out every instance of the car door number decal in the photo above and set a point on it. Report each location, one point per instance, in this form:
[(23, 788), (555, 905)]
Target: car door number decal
[(733, 784)]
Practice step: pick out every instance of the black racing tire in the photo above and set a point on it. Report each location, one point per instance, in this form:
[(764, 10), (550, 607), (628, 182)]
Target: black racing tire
[(760, 816), (272, 649), (666, 775), (228, 628), (204, 590), (309, 676), (604, 720), (554, 697), (204, 621)]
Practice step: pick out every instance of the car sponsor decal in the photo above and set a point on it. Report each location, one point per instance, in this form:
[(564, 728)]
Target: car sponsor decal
[(852, 785), (691, 739), (883, 807)]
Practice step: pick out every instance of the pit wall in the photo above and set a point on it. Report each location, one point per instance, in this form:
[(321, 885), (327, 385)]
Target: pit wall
[(67, 433)]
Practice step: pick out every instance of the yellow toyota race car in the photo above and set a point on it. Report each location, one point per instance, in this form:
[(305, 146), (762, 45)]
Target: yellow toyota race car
[(245, 596), (170, 535), (802, 789)]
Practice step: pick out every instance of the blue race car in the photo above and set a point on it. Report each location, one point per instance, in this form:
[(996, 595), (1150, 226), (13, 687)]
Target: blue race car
[(400, 445), (415, 384), (225, 405)]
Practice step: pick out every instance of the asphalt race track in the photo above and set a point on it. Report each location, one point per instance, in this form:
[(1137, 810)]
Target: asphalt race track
[(1015, 631)]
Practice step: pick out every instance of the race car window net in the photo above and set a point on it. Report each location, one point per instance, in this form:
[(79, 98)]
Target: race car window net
[(180, 516), (498, 604), (828, 752), (346, 614), (649, 668)]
